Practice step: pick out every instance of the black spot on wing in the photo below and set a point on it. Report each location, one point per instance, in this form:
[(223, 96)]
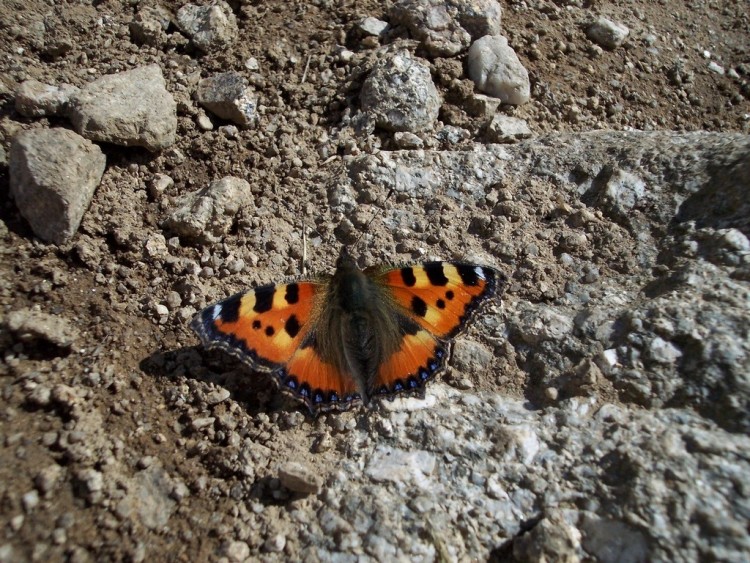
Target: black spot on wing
[(230, 309), (468, 274), (292, 326), (256, 324), (440, 304), (264, 298), (418, 306), (292, 293), (449, 295), (435, 274), (270, 331), (407, 326), (408, 277)]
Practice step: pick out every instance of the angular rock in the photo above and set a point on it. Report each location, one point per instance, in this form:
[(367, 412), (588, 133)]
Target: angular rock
[(53, 176), (400, 466), (479, 17), (206, 215), (48, 478), (540, 323), (149, 25), (149, 499), (29, 325), (372, 26), (399, 94), (228, 96), (552, 539), (236, 551), (433, 23), (607, 33), (131, 108), (89, 484), (209, 27), (507, 129), (446, 29), (300, 478), (36, 99), (496, 70)]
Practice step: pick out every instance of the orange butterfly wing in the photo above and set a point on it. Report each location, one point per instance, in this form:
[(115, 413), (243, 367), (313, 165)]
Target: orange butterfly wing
[(271, 328), (274, 328), (437, 300)]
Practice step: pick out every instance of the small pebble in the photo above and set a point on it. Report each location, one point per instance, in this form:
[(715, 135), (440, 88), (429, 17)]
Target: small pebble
[(275, 544), (300, 478), (30, 500)]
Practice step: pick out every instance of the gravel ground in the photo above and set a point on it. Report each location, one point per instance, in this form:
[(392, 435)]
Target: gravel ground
[(155, 159)]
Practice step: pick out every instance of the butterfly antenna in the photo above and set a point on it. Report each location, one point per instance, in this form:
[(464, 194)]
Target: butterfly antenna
[(374, 215)]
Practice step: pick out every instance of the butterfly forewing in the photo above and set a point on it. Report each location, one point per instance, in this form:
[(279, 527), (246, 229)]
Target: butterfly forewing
[(441, 296), (263, 326)]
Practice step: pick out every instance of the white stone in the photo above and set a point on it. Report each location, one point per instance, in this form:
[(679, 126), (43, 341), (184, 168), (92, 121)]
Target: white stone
[(507, 129), (496, 70)]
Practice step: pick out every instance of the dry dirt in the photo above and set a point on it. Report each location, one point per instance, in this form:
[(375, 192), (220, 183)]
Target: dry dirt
[(143, 380)]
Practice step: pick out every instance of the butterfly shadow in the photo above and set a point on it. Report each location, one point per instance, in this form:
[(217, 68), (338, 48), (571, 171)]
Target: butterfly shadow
[(255, 391)]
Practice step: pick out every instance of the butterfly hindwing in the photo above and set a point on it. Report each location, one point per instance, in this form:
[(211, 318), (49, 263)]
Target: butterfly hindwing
[(437, 300), (419, 357)]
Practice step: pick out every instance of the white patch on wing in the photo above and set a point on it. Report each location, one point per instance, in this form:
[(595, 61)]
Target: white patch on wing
[(215, 312)]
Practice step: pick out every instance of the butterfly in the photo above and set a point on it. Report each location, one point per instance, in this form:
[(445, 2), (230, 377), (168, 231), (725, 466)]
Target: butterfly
[(338, 340)]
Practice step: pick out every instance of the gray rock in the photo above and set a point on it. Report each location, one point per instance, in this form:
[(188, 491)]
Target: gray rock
[(372, 26), (407, 140), (618, 192), (445, 29), (149, 25), (551, 539), (89, 484), (479, 17), (236, 551), (209, 28), (507, 129), (401, 466), (53, 176), (540, 323), (607, 33), (207, 215), (36, 99), (217, 396), (469, 356), (496, 70), (47, 480), (29, 325), (149, 498), (275, 544), (300, 478), (399, 94), (433, 23), (131, 108), (228, 96)]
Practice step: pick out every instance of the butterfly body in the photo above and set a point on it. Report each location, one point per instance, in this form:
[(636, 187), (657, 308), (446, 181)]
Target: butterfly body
[(357, 334)]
